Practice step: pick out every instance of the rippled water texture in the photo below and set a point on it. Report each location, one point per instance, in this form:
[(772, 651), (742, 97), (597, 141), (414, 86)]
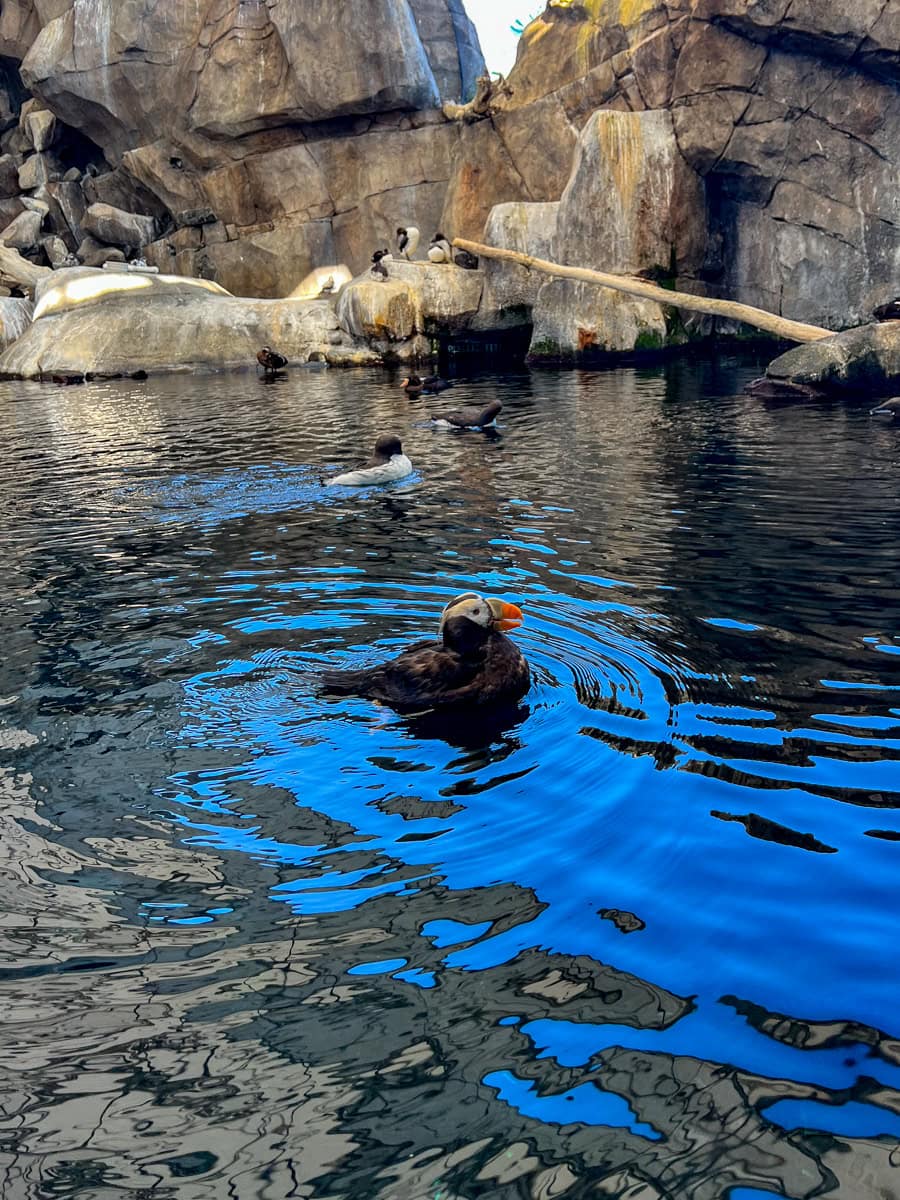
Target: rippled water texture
[(639, 941)]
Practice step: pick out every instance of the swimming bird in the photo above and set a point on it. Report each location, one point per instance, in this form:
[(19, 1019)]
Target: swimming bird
[(888, 312), (270, 360), (473, 664), (439, 251), (430, 385), (470, 417), (890, 408), (413, 385), (407, 241), (388, 462)]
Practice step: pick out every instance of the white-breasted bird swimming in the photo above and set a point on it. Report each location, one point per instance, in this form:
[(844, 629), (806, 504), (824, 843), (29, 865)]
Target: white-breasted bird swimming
[(387, 464)]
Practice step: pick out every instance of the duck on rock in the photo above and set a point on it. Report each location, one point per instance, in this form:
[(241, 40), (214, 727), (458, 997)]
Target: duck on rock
[(473, 664), (470, 417), (387, 464)]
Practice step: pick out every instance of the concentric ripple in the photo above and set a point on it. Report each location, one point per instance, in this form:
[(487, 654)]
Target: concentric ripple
[(633, 931)]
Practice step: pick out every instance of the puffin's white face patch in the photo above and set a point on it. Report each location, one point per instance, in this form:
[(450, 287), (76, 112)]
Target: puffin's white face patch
[(468, 604)]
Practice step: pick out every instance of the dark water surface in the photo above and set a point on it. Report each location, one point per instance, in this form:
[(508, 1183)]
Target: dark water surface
[(639, 941)]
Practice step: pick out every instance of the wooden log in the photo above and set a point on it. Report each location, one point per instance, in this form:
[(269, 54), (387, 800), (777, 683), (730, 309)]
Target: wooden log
[(792, 331), (13, 266)]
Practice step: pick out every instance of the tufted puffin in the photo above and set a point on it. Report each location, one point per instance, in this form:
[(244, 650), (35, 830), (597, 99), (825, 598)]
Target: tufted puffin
[(469, 417), (407, 241), (270, 360), (890, 408), (388, 462), (472, 664)]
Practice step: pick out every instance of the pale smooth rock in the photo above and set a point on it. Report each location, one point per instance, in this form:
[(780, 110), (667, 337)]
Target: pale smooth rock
[(576, 321), (120, 322)]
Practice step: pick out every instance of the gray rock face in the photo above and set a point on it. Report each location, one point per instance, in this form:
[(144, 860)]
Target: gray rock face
[(632, 206), (510, 291), (24, 232), (579, 322)]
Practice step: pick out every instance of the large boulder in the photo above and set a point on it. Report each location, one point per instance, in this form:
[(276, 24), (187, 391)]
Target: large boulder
[(579, 322), (24, 232), (863, 359), (108, 322), (118, 228), (123, 72), (417, 298)]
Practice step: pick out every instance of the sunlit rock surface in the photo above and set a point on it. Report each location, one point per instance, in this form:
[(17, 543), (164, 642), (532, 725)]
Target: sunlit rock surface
[(109, 322), (417, 298)]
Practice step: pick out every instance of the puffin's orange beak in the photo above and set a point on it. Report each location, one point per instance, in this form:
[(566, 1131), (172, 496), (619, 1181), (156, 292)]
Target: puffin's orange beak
[(506, 616), (404, 383)]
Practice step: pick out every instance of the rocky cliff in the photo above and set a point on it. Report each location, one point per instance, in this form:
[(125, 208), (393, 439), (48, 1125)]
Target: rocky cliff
[(745, 148), (262, 139), (786, 111)]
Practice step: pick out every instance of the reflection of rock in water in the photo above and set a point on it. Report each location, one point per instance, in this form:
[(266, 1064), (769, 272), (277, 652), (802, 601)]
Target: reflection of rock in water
[(203, 1061), (625, 922), (771, 831)]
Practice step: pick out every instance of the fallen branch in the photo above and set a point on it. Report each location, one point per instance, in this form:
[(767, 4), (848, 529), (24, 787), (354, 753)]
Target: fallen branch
[(13, 266), (793, 331), (482, 104)]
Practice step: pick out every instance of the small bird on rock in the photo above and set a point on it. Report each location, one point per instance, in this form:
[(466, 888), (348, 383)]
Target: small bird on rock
[(379, 258), (467, 261), (439, 251), (407, 241), (888, 312)]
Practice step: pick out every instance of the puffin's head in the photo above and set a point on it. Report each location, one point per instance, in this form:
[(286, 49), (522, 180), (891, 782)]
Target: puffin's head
[(438, 237), (387, 446), (489, 613), (401, 231), (266, 350), (413, 381)]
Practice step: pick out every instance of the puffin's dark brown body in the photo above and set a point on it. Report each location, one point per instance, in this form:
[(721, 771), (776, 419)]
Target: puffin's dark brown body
[(473, 665)]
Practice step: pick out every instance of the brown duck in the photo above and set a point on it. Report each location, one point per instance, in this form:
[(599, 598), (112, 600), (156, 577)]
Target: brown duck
[(270, 360), (470, 417), (473, 664)]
